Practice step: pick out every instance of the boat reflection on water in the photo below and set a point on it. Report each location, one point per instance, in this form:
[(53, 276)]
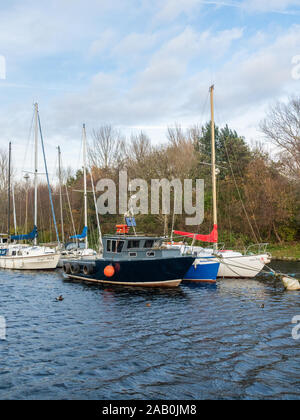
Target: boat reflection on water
[(250, 288), (108, 290)]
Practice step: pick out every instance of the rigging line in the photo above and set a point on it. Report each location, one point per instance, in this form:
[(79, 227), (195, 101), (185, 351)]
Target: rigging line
[(28, 141), (253, 215), (49, 188), (221, 261), (238, 190), (97, 215), (70, 208), (54, 171), (242, 265), (204, 107)]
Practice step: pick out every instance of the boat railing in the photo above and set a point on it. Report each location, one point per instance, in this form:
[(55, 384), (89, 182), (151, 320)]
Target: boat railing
[(260, 248)]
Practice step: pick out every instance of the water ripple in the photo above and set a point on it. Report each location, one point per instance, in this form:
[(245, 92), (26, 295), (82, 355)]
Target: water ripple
[(117, 343)]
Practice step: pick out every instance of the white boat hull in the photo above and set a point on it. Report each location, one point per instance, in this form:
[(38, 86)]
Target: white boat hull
[(244, 266), (78, 256), (40, 262), (232, 264)]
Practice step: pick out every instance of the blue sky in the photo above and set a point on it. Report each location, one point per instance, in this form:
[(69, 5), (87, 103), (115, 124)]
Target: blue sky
[(141, 65)]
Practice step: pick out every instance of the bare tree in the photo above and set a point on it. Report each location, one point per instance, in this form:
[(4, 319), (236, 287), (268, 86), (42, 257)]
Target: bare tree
[(108, 148), (282, 127), (180, 152), (140, 147), (175, 135)]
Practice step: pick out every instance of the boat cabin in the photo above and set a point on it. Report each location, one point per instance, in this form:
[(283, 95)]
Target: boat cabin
[(131, 247)]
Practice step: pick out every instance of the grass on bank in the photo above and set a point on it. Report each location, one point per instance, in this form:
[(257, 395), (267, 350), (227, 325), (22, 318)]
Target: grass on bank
[(291, 249)]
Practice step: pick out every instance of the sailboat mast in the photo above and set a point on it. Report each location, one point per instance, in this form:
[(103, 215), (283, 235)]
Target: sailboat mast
[(35, 165), (8, 191), (85, 188), (14, 208), (60, 196), (97, 215), (213, 160)]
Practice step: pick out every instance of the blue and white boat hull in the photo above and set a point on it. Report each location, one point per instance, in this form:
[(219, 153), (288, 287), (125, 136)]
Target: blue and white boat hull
[(203, 270)]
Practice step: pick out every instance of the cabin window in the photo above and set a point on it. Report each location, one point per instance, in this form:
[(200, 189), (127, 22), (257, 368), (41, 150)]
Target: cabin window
[(150, 254), (149, 243), (4, 240), (120, 245), (114, 246), (133, 244), (14, 253), (132, 254)]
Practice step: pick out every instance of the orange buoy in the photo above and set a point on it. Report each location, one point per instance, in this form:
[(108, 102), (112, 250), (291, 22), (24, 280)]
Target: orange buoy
[(109, 271)]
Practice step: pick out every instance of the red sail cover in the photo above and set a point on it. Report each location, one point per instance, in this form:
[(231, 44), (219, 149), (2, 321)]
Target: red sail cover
[(212, 237)]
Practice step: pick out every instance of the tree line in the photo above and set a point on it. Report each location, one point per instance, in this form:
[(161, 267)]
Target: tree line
[(258, 193)]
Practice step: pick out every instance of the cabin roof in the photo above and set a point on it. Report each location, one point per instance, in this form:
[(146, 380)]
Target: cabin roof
[(132, 237)]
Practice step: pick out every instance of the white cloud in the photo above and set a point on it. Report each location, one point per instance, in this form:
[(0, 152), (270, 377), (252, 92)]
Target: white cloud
[(34, 28), (270, 5), (135, 44), (173, 8), (260, 6), (103, 43), (163, 91), (144, 70)]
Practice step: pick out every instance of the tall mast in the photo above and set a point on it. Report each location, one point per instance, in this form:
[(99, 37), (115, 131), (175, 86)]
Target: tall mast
[(60, 196), (97, 215), (14, 208), (35, 166), (213, 159), (85, 189), (8, 191), (26, 177)]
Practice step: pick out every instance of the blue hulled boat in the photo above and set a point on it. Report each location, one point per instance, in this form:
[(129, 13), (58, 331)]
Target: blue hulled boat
[(203, 270), (205, 267)]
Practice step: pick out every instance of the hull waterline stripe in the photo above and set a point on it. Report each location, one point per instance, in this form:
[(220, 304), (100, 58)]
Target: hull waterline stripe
[(167, 283)]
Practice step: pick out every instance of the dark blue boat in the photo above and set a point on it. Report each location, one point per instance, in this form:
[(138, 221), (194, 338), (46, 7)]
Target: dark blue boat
[(132, 261)]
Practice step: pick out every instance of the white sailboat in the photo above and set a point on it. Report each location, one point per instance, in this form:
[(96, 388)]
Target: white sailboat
[(17, 256), (74, 250), (232, 264)]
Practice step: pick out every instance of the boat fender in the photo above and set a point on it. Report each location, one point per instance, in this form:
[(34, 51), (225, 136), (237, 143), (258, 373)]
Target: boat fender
[(88, 269), (67, 268), (290, 283), (109, 271), (75, 268)]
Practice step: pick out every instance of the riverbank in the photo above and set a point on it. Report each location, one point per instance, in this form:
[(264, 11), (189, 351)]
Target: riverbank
[(285, 252)]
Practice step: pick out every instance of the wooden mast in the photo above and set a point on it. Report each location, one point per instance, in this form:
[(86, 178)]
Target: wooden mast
[(213, 160)]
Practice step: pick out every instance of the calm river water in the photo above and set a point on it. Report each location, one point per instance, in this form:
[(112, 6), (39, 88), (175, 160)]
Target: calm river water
[(232, 340)]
